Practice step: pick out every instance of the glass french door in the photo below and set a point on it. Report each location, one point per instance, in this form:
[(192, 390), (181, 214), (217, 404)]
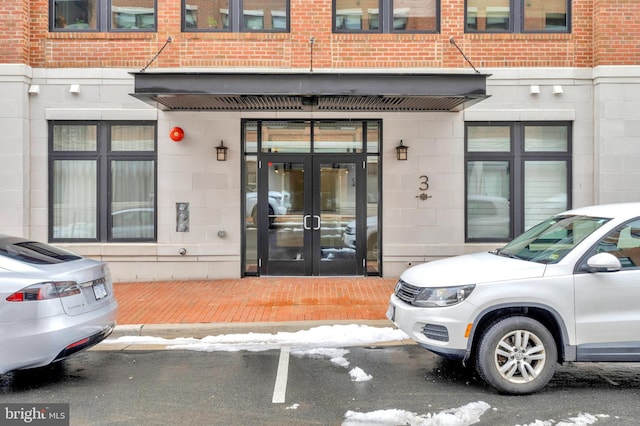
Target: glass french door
[(305, 205)]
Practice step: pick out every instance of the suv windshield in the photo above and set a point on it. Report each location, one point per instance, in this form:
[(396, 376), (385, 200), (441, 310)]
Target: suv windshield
[(551, 240)]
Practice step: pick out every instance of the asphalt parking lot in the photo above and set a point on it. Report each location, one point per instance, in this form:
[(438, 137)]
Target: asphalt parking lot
[(153, 387)]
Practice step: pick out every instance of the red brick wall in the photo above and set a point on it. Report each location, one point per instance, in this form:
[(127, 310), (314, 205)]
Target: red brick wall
[(14, 31), (26, 39), (616, 26)]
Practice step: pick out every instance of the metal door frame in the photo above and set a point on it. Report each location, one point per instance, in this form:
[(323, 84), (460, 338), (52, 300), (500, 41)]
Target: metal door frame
[(312, 264)]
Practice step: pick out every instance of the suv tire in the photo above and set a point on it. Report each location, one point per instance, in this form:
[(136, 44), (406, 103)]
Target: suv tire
[(516, 355)]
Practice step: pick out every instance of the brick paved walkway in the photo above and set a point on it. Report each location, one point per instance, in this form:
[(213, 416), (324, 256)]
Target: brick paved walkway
[(253, 299)]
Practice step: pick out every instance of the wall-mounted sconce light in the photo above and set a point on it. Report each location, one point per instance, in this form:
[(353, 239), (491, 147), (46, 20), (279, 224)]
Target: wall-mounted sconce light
[(557, 90), (176, 134), (221, 152), (74, 88), (534, 89), (34, 89), (402, 151)]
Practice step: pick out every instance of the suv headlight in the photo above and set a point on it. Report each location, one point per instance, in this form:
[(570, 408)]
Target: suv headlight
[(443, 296)]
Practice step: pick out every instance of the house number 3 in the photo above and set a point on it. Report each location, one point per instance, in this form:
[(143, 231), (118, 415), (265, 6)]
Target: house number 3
[(423, 187)]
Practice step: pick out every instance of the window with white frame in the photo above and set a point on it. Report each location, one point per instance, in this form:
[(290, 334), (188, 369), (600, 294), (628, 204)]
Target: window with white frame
[(517, 174), (236, 15), (518, 16), (102, 15), (386, 16), (102, 181)]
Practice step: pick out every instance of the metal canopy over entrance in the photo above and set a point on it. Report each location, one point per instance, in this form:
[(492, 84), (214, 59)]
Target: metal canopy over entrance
[(381, 92)]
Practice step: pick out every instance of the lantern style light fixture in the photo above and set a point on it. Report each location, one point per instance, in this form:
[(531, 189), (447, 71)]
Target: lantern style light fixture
[(221, 152), (402, 151)]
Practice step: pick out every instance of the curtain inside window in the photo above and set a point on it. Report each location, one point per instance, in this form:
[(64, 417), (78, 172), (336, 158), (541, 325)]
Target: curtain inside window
[(74, 198), (488, 198), (132, 204)]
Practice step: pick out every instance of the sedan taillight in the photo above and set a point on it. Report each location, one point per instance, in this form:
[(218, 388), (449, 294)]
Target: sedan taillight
[(45, 291)]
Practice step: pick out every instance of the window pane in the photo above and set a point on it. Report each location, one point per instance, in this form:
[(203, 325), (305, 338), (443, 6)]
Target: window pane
[(546, 138), (74, 199), (133, 195), (355, 15), (488, 15), (623, 243), (133, 14), (251, 137), (414, 15), (75, 137), (373, 137), (260, 15), (545, 15), (282, 136), (373, 183), (488, 138), (74, 15), (207, 14), (251, 197), (338, 137), (133, 138), (545, 190), (488, 198)]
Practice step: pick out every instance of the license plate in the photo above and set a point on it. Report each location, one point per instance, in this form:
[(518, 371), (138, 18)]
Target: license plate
[(391, 312), (99, 290)]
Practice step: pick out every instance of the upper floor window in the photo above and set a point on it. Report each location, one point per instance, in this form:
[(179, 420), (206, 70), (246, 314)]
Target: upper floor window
[(235, 15), (102, 15), (518, 16), (386, 16)]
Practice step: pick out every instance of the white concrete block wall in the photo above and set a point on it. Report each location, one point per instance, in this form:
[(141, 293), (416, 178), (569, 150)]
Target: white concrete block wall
[(14, 150), (617, 126)]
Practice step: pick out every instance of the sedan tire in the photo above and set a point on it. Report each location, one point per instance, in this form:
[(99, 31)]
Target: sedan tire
[(516, 355)]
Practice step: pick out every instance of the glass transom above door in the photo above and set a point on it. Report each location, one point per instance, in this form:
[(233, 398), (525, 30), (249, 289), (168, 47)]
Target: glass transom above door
[(312, 137)]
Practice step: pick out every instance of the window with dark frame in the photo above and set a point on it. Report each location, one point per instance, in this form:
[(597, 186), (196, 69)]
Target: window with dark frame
[(518, 16), (235, 15), (102, 181), (517, 174), (103, 15), (386, 16)]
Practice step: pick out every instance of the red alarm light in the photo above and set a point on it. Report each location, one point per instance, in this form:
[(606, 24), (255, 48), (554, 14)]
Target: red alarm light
[(176, 134)]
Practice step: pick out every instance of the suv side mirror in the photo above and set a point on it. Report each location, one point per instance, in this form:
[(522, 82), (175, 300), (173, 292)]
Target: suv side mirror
[(603, 262)]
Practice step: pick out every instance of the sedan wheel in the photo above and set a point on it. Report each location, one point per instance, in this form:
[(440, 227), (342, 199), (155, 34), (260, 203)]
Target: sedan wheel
[(517, 355)]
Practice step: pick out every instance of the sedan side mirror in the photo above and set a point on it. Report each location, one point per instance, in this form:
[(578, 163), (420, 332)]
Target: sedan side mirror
[(604, 262)]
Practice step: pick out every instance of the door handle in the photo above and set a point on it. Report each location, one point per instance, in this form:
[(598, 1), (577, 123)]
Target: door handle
[(316, 217), (305, 224)]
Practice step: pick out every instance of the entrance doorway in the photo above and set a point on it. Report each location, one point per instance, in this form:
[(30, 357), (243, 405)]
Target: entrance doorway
[(320, 201), (312, 213)]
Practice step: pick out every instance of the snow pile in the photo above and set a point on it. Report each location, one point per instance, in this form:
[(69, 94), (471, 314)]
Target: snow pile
[(465, 415), (326, 336)]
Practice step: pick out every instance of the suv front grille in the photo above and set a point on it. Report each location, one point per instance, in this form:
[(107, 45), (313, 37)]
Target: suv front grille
[(406, 292)]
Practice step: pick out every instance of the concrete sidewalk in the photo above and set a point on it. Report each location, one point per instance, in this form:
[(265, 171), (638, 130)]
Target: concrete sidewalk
[(255, 304)]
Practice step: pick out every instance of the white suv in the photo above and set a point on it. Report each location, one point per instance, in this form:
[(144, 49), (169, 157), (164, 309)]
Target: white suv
[(568, 289)]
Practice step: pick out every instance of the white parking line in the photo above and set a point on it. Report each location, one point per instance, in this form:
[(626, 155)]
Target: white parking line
[(280, 388)]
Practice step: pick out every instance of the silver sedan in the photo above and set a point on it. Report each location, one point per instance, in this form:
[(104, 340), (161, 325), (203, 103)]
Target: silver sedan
[(53, 303)]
